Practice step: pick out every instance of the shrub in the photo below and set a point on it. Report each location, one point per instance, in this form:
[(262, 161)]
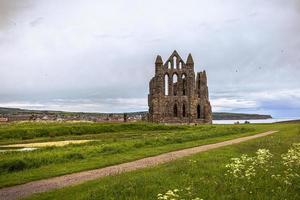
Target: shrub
[(74, 156), (14, 165), (246, 167), (139, 145), (178, 194), (111, 150), (263, 169), (178, 140)]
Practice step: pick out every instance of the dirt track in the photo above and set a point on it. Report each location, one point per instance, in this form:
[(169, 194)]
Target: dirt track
[(27, 189)]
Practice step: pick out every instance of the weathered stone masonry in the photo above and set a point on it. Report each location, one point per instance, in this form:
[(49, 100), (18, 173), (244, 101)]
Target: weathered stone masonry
[(175, 95)]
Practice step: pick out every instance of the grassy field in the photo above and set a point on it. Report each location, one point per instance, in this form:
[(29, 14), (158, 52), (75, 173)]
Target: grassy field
[(45, 131), (113, 143), (263, 174)]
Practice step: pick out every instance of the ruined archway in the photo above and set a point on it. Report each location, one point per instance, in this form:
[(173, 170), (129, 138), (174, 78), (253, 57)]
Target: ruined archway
[(166, 84), (183, 110), (175, 110), (198, 111), (183, 78), (175, 84)]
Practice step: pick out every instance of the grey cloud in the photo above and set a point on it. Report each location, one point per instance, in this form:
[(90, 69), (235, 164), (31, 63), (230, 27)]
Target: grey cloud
[(36, 22), (9, 9), (104, 105), (102, 50), (252, 14), (124, 36), (232, 20)]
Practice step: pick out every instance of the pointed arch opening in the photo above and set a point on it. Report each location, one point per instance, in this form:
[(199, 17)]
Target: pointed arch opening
[(175, 110), (199, 88), (169, 65), (183, 111), (180, 65), (166, 84), (183, 84), (198, 111), (175, 84), (175, 62)]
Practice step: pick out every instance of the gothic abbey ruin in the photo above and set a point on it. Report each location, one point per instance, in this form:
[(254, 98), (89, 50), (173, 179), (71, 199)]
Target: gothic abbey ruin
[(175, 95)]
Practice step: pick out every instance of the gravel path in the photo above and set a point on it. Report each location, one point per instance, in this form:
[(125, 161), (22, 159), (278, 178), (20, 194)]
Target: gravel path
[(27, 189)]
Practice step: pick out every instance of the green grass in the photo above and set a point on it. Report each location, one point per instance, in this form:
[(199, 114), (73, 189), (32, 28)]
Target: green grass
[(203, 173), (115, 143), (45, 131)]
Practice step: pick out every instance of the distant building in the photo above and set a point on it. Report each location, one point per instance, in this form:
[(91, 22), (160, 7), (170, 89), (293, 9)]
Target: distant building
[(21, 117), (175, 95), (3, 119)]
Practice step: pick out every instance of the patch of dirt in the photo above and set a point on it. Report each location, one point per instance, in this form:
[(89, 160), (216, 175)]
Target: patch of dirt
[(46, 144)]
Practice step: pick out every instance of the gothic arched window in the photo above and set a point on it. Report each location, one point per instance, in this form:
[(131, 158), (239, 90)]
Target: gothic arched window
[(175, 110), (175, 84), (180, 65), (198, 111), (166, 83), (183, 84), (183, 111), (174, 62)]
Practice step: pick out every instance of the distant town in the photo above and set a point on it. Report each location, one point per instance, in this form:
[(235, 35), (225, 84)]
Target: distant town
[(16, 114)]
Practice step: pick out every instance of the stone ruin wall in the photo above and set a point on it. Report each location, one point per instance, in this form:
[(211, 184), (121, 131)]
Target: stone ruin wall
[(176, 94)]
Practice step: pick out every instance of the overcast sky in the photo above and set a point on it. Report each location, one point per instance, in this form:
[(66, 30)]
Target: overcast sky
[(98, 55)]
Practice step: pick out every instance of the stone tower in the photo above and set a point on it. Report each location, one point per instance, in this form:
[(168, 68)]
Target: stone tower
[(175, 96)]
